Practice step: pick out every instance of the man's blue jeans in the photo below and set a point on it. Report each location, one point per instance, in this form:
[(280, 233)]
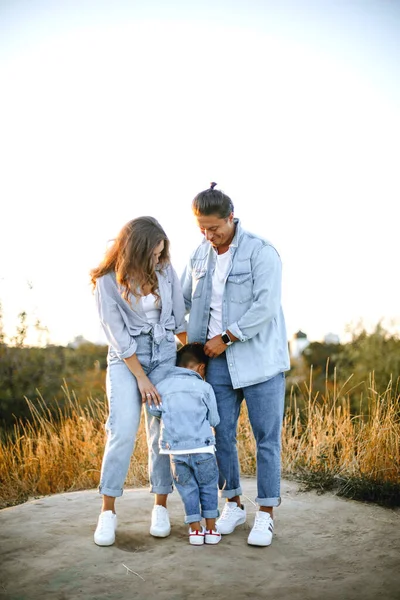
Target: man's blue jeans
[(196, 479), (265, 405)]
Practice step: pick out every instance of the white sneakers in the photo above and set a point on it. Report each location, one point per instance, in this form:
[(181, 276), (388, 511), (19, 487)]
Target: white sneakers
[(231, 516), (205, 536), (263, 529), (160, 525), (106, 528)]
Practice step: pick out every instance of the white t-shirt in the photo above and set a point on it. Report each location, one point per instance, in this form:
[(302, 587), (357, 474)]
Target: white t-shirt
[(222, 268), (151, 309)]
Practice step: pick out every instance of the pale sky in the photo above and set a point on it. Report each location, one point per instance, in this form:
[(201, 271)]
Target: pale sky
[(112, 110)]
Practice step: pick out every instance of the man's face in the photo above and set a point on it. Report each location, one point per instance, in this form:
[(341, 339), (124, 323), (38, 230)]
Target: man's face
[(219, 232)]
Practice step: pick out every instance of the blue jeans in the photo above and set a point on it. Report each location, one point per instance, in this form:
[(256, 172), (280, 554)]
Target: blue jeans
[(125, 406), (196, 479), (265, 405)]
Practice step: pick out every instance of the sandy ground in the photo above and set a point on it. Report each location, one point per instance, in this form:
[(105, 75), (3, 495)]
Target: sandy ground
[(324, 548)]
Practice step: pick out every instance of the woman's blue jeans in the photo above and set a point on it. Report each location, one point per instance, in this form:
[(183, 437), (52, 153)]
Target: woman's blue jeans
[(125, 406), (265, 405)]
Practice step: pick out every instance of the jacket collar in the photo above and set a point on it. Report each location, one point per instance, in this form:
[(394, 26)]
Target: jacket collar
[(181, 371)]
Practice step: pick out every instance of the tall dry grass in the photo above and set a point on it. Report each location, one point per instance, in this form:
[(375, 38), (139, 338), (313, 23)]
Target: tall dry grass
[(324, 444)]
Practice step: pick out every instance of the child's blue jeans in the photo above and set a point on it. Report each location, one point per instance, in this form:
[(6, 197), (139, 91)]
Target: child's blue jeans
[(196, 479)]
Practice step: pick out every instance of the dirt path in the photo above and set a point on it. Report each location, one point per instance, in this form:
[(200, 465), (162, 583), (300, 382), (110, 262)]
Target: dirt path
[(325, 548)]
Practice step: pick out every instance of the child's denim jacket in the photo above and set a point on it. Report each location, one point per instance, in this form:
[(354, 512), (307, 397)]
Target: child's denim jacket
[(188, 411)]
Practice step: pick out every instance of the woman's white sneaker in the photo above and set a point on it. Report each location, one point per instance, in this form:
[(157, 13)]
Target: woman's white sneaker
[(231, 516), (160, 525), (106, 528), (263, 530)]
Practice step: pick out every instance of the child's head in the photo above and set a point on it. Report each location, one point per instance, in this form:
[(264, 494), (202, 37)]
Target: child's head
[(192, 356)]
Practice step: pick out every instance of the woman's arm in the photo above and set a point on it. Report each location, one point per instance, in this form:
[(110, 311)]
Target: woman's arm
[(146, 388), (120, 339)]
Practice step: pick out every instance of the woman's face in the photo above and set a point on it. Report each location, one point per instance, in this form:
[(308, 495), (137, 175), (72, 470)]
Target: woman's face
[(157, 252)]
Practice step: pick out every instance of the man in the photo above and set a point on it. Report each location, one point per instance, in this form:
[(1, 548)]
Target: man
[(232, 288)]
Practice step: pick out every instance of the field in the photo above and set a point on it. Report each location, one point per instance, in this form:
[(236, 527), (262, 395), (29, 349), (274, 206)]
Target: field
[(324, 445)]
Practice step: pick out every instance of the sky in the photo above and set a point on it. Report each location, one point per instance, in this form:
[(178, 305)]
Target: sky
[(113, 110)]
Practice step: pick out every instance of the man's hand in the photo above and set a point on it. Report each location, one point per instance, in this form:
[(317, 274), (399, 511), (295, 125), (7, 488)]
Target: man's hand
[(215, 347)]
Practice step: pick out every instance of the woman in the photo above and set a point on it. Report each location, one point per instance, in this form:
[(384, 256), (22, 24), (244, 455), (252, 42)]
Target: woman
[(141, 307)]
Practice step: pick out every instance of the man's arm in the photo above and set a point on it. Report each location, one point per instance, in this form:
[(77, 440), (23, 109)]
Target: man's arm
[(267, 283), (186, 283)]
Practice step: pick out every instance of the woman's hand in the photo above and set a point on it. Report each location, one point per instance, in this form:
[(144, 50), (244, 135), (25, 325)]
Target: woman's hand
[(148, 391)]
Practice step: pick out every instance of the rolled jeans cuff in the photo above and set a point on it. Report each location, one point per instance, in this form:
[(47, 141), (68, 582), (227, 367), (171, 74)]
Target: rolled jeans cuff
[(192, 518), (210, 514), (268, 501), (230, 493), (109, 492), (161, 489)]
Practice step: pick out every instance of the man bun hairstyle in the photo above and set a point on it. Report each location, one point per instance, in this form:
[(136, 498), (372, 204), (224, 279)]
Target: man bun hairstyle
[(191, 353), (212, 202)]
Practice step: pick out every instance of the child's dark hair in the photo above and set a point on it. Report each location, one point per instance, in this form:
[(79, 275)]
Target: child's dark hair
[(191, 353)]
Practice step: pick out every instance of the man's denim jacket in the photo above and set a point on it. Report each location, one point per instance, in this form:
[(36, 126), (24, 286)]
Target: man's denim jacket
[(251, 306), (121, 321), (188, 411)]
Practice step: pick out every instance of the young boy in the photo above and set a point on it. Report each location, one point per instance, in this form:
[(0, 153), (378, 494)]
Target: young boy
[(188, 412)]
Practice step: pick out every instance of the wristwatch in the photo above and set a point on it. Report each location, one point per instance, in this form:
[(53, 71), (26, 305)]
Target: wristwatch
[(226, 339)]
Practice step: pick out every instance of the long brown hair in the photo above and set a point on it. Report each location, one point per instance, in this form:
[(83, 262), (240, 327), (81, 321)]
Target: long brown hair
[(131, 257)]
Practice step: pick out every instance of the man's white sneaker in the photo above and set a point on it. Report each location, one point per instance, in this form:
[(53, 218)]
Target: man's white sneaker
[(211, 536), (106, 528), (232, 515), (263, 529), (196, 538), (160, 525)]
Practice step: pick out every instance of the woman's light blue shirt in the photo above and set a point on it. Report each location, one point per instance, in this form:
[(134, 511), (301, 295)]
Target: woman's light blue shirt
[(122, 321)]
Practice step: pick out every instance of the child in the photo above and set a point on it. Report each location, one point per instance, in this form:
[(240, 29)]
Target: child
[(188, 412)]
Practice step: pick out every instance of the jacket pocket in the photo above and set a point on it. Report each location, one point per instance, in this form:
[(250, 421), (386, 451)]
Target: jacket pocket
[(240, 287), (198, 282)]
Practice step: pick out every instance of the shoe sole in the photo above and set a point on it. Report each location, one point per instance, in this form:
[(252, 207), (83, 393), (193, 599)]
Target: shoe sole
[(213, 543), (160, 535), (258, 544), (196, 543), (241, 522), (104, 544)]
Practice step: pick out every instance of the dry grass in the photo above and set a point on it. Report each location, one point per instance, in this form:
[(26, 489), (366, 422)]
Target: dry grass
[(327, 447), (323, 444)]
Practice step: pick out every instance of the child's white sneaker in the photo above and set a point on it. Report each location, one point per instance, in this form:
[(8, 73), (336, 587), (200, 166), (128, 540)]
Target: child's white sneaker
[(160, 525), (211, 536), (196, 538), (106, 528), (232, 515), (262, 531)]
